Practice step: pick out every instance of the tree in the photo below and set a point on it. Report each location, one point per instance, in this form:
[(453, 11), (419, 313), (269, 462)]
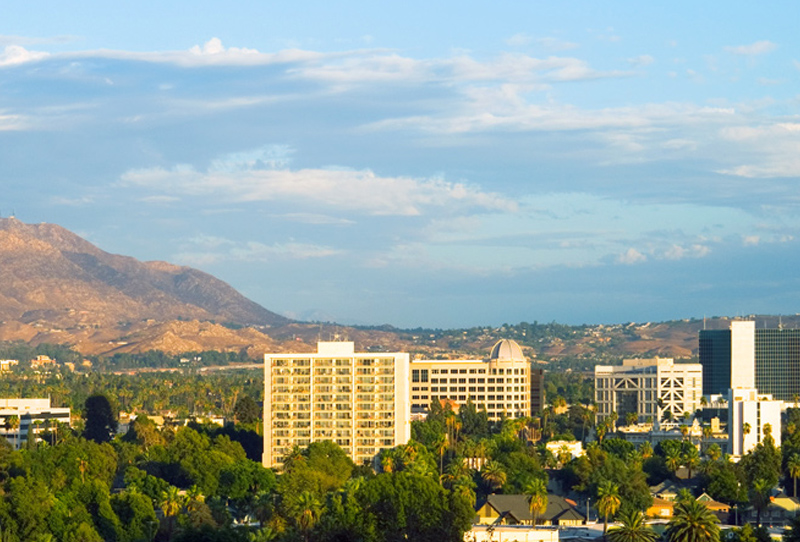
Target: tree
[(693, 522), (536, 490), (608, 501), (493, 474), (633, 529), (12, 424), (171, 504), (309, 509), (759, 497), (793, 467), (100, 419), (246, 411), (691, 458)]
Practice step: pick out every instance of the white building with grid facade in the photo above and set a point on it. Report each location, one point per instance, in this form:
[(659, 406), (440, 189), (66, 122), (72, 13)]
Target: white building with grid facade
[(649, 388), (359, 400)]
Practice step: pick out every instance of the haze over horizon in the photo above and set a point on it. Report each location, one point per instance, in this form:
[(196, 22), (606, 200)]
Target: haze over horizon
[(421, 165)]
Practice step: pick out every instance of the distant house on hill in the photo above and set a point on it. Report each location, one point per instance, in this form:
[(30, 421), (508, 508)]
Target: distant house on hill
[(41, 361), (515, 510)]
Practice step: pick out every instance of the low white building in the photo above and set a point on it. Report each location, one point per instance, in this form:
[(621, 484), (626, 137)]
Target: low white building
[(749, 412), (34, 416), (511, 533), (574, 447)]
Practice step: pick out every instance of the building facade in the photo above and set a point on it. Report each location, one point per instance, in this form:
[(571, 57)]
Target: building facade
[(34, 416), (749, 414), (745, 357), (649, 388), (728, 358), (357, 400), (500, 384)]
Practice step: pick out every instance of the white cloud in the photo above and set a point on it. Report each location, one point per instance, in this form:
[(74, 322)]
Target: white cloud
[(679, 252), (641, 61), (631, 256), (519, 40), (773, 150), (208, 249), (13, 55), (751, 240), (757, 48), (355, 190)]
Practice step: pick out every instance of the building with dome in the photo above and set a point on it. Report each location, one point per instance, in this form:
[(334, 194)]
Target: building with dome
[(501, 384)]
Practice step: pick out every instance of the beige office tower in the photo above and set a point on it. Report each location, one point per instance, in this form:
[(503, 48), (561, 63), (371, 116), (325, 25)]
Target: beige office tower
[(500, 384), (357, 400)]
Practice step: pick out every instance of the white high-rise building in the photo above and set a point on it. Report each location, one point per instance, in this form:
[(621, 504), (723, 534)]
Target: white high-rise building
[(359, 400), (749, 412), (649, 388)]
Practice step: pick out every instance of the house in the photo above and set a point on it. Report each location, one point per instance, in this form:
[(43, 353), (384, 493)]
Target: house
[(661, 508), (515, 510), (780, 510)]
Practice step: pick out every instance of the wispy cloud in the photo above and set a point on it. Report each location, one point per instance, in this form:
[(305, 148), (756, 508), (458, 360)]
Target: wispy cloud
[(641, 61), (753, 49), (209, 249), (355, 190)]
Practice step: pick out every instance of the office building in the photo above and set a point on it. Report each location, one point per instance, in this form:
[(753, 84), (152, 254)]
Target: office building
[(500, 384), (357, 400), (745, 357), (777, 363), (649, 388), (728, 358), (34, 416), (749, 412)]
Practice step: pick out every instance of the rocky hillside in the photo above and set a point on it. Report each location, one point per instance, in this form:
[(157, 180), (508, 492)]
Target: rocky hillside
[(57, 287)]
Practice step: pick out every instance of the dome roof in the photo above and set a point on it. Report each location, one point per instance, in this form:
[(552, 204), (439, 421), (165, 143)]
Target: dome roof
[(507, 350)]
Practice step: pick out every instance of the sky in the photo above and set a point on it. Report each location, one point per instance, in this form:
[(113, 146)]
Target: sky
[(421, 164)]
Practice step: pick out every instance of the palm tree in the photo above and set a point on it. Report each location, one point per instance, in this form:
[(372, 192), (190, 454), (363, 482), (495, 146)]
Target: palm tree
[(793, 466), (608, 501), (759, 497), (536, 490), (714, 452), (631, 418), (171, 504), (12, 423), (691, 459), (564, 455), (308, 509), (673, 460), (494, 475), (646, 450), (633, 529), (693, 522), (440, 445)]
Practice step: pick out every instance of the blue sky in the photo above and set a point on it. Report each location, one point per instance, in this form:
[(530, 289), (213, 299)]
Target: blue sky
[(437, 165)]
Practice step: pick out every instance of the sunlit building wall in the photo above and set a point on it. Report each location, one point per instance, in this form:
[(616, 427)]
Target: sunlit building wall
[(357, 400)]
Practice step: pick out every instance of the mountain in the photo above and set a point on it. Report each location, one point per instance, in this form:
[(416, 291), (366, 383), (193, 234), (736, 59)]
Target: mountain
[(50, 277)]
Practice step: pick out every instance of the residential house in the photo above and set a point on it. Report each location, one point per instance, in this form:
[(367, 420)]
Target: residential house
[(515, 510)]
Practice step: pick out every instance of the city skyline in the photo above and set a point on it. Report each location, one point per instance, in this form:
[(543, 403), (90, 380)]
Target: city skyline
[(436, 166)]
